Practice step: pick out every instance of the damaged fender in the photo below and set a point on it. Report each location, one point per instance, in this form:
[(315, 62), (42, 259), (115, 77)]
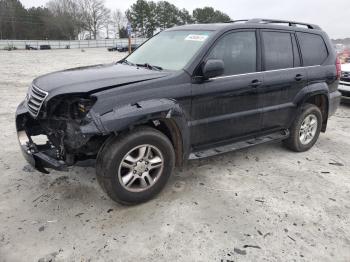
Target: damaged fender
[(127, 116)]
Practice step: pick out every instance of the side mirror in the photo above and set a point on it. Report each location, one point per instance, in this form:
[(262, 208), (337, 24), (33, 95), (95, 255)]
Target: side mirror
[(213, 68)]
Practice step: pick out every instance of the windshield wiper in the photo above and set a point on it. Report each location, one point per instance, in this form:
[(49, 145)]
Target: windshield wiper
[(126, 62), (149, 66), (145, 65)]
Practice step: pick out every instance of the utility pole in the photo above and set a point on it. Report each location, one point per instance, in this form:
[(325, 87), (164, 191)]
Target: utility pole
[(129, 36)]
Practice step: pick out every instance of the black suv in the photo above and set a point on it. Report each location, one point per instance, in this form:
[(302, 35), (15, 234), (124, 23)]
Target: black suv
[(189, 92)]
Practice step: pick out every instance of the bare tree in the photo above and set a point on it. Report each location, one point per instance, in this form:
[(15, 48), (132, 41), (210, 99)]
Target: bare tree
[(66, 16), (94, 16), (119, 20), (109, 27)]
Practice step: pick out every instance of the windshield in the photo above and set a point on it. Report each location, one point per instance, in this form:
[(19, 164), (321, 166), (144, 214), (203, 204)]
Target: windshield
[(170, 50)]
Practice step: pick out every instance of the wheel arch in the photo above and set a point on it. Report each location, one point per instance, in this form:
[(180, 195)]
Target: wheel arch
[(318, 95), (321, 101), (170, 129)]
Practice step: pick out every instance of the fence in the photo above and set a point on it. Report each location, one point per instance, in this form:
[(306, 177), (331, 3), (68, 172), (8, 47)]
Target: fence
[(61, 44)]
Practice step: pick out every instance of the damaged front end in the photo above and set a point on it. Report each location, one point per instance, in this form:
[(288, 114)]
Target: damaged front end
[(59, 132)]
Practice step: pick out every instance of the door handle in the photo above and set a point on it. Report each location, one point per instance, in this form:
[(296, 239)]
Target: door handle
[(255, 83), (299, 77)]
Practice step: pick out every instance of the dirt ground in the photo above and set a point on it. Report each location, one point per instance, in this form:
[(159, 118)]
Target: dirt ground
[(260, 204)]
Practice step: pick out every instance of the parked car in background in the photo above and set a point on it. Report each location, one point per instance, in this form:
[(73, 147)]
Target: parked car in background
[(29, 47), (112, 48), (189, 92), (45, 47), (125, 48), (344, 84), (122, 47)]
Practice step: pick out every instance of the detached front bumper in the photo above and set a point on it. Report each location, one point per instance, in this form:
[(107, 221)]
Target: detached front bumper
[(39, 156)]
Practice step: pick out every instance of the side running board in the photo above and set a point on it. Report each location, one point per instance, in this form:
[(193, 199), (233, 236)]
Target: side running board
[(278, 136)]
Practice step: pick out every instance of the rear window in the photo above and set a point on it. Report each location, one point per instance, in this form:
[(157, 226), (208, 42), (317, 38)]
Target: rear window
[(313, 49), (278, 50)]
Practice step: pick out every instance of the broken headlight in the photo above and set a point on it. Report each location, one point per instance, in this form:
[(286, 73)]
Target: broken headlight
[(83, 106), (70, 106)]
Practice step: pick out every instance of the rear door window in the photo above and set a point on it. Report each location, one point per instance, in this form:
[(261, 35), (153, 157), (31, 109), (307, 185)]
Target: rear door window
[(237, 51), (313, 49), (277, 50)]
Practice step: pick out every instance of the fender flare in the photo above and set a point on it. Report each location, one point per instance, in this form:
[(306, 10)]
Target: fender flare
[(312, 90)]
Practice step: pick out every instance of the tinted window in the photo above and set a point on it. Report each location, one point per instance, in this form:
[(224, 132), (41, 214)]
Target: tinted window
[(238, 51), (313, 49), (278, 50)]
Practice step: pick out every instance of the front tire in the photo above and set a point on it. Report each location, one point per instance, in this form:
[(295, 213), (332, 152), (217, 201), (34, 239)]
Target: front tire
[(305, 129), (135, 167)]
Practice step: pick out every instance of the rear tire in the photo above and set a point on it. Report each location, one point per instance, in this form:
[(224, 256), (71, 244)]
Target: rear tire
[(305, 129), (134, 167)]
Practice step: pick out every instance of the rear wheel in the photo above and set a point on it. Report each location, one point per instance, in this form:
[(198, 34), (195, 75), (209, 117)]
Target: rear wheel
[(135, 167), (305, 129)]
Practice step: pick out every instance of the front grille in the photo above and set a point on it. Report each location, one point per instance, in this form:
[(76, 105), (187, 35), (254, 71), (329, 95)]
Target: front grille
[(345, 76), (35, 99)]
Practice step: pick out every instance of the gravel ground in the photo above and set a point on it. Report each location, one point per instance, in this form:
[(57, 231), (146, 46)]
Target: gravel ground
[(260, 204)]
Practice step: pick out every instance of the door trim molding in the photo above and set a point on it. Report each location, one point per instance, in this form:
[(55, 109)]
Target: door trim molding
[(224, 117), (277, 70), (218, 118)]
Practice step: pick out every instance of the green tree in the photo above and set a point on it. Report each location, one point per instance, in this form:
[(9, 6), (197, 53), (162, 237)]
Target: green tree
[(185, 17), (14, 20), (142, 16), (209, 15), (123, 32), (151, 23), (41, 28), (67, 19), (167, 15)]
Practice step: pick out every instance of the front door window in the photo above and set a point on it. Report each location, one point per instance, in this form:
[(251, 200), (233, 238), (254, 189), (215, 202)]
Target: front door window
[(237, 51)]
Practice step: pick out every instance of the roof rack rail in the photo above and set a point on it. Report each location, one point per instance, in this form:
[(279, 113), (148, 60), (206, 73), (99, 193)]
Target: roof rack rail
[(275, 21), (238, 21)]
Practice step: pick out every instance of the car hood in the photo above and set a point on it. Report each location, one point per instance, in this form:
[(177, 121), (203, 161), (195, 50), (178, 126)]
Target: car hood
[(345, 67), (95, 78)]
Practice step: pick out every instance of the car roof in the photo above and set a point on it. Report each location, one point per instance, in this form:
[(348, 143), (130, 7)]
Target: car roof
[(251, 23), (204, 27)]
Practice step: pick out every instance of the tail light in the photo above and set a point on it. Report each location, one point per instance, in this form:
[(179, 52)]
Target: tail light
[(338, 66)]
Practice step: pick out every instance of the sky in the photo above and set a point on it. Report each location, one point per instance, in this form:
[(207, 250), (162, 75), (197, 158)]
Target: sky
[(333, 16)]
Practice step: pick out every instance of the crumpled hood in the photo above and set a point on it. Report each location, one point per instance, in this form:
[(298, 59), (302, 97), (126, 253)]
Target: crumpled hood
[(345, 67), (94, 78)]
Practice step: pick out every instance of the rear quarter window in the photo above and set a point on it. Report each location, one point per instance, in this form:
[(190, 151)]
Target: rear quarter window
[(313, 49)]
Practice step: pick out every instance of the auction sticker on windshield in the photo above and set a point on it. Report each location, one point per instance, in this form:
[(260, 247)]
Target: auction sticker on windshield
[(199, 38)]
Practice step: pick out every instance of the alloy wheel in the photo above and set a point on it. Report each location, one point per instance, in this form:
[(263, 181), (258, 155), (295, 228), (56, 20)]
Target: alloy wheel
[(308, 129), (140, 168)]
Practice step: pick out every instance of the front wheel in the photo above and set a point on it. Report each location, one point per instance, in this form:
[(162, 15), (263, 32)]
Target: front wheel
[(135, 167), (305, 129)]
